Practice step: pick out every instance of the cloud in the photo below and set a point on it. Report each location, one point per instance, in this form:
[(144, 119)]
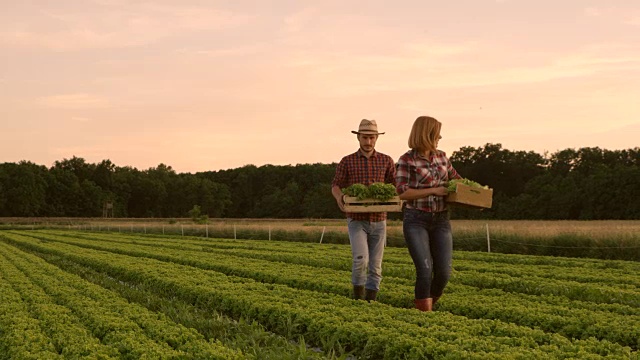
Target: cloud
[(225, 52), (628, 16), (633, 20), (73, 101), (430, 65), (109, 24), (297, 21), (80, 119), (592, 12)]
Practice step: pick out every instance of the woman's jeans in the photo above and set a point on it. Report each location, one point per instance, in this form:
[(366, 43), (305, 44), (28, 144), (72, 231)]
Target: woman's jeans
[(367, 247), (428, 237)]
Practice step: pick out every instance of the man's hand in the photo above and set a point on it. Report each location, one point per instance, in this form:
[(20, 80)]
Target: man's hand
[(337, 194), (340, 201)]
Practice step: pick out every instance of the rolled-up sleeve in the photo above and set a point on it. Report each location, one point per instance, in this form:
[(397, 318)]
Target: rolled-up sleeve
[(402, 175), (340, 178), (390, 176), (453, 174)]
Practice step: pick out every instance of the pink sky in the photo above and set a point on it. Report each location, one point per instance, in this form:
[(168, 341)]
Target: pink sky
[(210, 85)]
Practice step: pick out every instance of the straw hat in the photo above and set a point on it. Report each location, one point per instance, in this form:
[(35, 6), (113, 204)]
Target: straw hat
[(368, 127)]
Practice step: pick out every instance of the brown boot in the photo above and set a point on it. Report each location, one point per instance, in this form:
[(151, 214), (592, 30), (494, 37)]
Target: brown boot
[(358, 292), (424, 304), (370, 295)]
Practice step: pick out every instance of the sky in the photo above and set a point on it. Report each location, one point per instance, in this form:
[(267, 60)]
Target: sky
[(204, 85)]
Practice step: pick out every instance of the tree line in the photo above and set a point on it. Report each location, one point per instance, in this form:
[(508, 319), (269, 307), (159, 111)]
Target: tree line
[(583, 184)]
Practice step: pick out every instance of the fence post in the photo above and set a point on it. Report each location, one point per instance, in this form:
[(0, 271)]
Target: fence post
[(234, 232), (488, 239), (321, 236), (182, 227)]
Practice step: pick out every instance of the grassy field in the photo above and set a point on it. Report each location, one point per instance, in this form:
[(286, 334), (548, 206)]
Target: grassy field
[(91, 294), (610, 239)]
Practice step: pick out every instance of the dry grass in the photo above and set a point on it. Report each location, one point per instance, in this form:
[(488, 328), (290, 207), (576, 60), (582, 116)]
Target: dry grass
[(623, 229), (543, 229)]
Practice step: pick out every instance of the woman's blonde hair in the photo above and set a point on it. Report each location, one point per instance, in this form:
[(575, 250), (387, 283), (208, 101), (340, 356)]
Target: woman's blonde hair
[(425, 133)]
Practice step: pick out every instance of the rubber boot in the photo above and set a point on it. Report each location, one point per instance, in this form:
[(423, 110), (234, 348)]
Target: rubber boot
[(370, 295), (358, 292), (424, 304)]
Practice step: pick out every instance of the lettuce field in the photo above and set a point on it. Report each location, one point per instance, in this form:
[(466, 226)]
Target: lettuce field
[(79, 294)]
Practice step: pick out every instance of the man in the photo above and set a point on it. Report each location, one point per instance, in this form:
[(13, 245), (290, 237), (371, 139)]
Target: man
[(367, 231)]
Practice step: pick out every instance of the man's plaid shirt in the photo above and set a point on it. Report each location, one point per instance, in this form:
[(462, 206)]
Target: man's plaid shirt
[(417, 172), (357, 169)]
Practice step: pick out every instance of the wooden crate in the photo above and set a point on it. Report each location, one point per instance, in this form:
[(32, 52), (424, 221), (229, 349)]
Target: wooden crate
[(353, 205), (471, 196)]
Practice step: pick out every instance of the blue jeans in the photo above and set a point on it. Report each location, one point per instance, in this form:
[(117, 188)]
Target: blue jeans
[(430, 243), (367, 248)]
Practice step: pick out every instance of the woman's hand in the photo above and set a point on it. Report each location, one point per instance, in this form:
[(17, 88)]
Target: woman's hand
[(440, 191), (412, 194)]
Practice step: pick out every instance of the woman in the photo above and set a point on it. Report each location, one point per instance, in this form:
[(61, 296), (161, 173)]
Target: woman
[(422, 177)]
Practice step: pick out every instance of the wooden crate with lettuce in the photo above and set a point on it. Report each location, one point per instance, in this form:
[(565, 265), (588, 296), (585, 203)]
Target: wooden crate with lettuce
[(469, 193), (377, 197)]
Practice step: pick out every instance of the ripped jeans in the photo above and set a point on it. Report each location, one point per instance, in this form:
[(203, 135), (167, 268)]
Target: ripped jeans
[(367, 248), (430, 243)]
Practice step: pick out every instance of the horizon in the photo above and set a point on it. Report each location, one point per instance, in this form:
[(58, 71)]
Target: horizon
[(207, 87), (290, 164)]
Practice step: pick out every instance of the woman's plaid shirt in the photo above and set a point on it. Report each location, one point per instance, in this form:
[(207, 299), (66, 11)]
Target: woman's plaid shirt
[(357, 169), (417, 172)]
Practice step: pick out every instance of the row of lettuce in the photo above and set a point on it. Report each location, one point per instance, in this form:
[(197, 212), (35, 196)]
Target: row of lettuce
[(492, 308), (47, 313)]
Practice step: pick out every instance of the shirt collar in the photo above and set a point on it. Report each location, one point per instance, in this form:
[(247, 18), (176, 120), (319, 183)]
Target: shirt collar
[(417, 155), (359, 152)]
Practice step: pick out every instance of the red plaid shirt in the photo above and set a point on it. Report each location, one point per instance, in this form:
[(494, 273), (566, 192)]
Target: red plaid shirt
[(357, 169), (417, 172)]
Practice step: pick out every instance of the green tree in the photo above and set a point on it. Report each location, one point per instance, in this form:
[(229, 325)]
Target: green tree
[(63, 193), (214, 197), (103, 174), (24, 189), (318, 203), (503, 170), (280, 203), (78, 166), (91, 199)]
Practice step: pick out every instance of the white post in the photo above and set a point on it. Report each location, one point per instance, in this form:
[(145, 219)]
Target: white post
[(488, 239), (321, 236)]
